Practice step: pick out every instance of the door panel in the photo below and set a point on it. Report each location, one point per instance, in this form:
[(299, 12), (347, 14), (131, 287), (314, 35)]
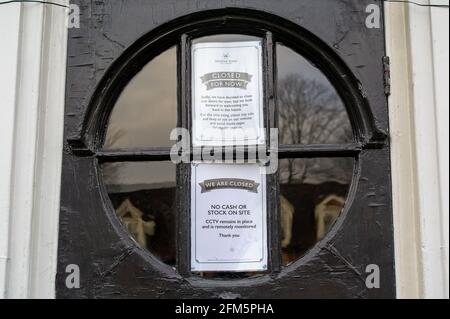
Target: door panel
[(112, 265)]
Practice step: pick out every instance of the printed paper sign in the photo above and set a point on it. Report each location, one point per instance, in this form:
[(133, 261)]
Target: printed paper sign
[(228, 218), (227, 94)]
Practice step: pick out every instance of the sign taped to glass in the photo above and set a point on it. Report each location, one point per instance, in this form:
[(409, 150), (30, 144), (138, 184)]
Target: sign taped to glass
[(228, 218), (227, 94)]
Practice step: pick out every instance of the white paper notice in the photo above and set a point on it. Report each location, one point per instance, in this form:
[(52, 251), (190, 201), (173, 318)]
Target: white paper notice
[(227, 94), (228, 218)]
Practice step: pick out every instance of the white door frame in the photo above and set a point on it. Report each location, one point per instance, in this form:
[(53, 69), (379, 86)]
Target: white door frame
[(417, 42), (32, 89)]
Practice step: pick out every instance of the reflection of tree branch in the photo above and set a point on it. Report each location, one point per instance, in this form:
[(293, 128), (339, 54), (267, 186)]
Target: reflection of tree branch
[(310, 112), (306, 108)]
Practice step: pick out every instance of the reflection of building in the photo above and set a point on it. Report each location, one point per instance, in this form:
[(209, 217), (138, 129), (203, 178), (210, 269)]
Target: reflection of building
[(287, 216), (133, 219), (157, 208), (326, 213), (305, 198)]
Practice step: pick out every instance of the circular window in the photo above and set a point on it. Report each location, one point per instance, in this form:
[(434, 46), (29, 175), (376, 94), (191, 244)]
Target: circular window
[(318, 117)]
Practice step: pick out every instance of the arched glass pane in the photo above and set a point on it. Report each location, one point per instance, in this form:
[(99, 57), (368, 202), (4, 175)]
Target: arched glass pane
[(313, 194), (146, 111), (310, 110), (143, 197)]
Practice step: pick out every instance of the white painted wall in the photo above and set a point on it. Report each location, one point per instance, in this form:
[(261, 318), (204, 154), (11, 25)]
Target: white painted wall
[(431, 140), (33, 41), (440, 43), (9, 20), (404, 181), (417, 41), (33, 38)]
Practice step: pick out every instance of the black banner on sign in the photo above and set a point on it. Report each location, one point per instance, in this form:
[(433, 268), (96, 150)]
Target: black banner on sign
[(226, 80), (226, 84), (233, 183)]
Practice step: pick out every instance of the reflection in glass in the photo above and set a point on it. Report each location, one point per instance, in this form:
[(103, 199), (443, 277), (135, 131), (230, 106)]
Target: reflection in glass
[(226, 38), (310, 109), (146, 111), (143, 196), (313, 193)]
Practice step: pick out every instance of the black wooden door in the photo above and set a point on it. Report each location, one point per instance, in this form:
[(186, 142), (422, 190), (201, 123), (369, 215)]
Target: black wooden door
[(113, 42)]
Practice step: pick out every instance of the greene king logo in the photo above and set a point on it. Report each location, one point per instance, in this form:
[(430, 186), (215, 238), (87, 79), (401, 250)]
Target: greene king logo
[(225, 58), (233, 183), (215, 80)]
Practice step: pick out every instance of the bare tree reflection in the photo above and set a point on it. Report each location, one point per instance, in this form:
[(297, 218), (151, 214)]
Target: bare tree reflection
[(310, 112)]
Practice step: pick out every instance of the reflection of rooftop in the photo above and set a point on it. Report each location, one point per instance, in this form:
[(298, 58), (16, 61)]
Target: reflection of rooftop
[(128, 188), (318, 180), (135, 176)]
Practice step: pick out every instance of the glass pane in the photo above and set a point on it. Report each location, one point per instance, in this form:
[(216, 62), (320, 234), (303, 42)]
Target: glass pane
[(310, 109), (143, 196), (146, 111), (313, 193)]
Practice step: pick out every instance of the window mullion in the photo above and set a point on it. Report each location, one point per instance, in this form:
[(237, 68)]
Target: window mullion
[(183, 170), (134, 155), (273, 203), (319, 150)]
